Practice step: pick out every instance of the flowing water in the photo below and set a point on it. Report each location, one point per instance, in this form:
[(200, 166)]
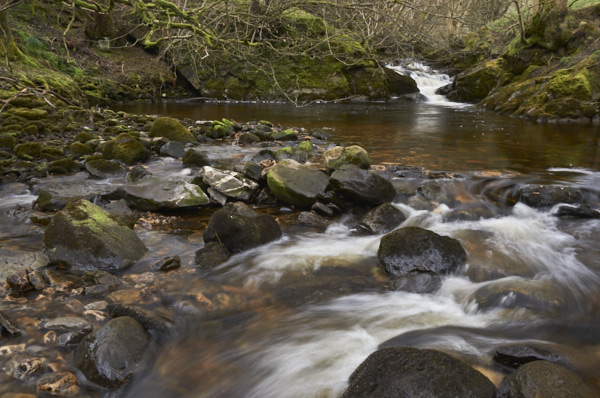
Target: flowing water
[(295, 317)]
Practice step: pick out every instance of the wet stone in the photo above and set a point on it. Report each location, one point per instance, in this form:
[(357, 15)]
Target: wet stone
[(18, 282), (29, 367), (515, 356), (71, 338), (12, 349), (63, 384), (148, 319), (8, 325), (417, 282), (36, 278), (169, 264), (67, 324), (312, 219), (212, 255)]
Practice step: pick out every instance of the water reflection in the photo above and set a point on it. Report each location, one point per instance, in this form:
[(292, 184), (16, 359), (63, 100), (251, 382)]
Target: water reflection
[(421, 135)]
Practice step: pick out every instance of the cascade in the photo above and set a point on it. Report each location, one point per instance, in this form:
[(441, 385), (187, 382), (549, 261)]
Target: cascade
[(428, 80)]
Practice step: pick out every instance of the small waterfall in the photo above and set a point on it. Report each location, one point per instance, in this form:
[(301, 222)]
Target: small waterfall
[(428, 80)]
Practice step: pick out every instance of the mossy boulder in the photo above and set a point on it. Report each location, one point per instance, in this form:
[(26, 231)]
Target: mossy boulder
[(29, 114), (171, 129), (411, 372), (295, 184), (28, 150), (110, 355), (80, 149), (285, 135), (417, 249), (240, 228), (475, 84), (195, 158), (84, 136), (83, 236), (63, 166), (7, 141), (338, 156), (126, 149)]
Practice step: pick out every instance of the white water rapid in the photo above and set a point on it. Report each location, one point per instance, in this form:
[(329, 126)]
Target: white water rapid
[(428, 80)]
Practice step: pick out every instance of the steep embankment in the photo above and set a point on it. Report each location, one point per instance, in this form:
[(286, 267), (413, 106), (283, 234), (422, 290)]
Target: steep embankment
[(551, 76)]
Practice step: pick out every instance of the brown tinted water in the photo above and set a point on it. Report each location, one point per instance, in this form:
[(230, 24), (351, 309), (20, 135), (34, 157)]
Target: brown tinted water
[(433, 136)]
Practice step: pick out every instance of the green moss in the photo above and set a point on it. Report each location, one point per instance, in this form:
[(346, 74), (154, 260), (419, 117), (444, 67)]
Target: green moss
[(28, 150), (171, 129), (305, 146), (568, 83), (125, 149), (81, 149), (295, 18), (30, 114), (7, 141)]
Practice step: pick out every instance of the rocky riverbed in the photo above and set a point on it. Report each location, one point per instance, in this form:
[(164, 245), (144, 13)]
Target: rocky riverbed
[(91, 288)]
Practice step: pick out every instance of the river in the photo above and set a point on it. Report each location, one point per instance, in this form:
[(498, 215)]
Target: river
[(297, 316)]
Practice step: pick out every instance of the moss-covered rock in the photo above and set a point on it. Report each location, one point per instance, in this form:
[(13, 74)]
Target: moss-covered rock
[(80, 149), (172, 129), (285, 135), (84, 136), (83, 236), (295, 184), (62, 166), (476, 83), (338, 156), (195, 158), (28, 150), (125, 149), (7, 141), (29, 114)]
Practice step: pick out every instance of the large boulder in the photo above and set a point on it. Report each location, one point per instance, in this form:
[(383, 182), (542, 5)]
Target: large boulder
[(416, 249), (171, 129), (406, 372), (295, 184), (240, 228), (125, 149), (153, 193), (83, 236), (362, 186), (543, 379), (229, 183), (110, 355), (339, 156), (474, 84)]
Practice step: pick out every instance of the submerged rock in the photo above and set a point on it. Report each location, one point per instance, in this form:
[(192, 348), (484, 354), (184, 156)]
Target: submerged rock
[(516, 355), (362, 186), (110, 355), (535, 295), (417, 282), (153, 193), (61, 384), (416, 249), (295, 184), (54, 197), (406, 372), (212, 255), (240, 228), (83, 236), (544, 380)]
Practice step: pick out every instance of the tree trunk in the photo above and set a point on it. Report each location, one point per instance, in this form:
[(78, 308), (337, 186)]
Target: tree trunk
[(8, 48)]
